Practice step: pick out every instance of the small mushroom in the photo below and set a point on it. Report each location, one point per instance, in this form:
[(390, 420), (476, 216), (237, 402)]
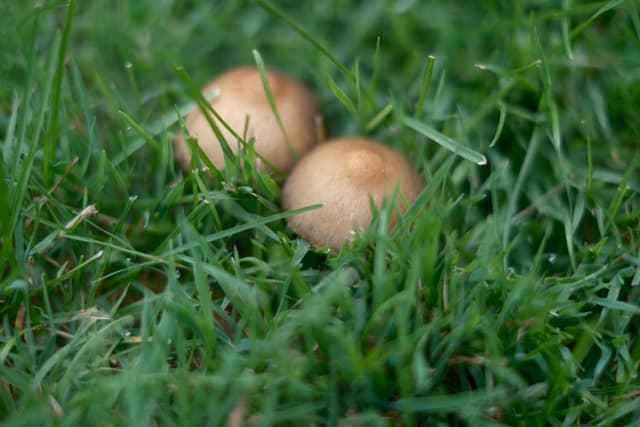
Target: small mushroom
[(342, 174), (238, 96)]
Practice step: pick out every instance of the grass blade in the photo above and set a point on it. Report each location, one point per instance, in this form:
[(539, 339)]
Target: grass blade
[(603, 9), (501, 120), (378, 118), (274, 10), (616, 305), (140, 131), (272, 103), (445, 141), (452, 402), (343, 98), (424, 86), (52, 137)]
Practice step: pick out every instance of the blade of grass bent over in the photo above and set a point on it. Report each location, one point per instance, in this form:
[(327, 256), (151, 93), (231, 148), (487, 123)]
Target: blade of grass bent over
[(445, 141)]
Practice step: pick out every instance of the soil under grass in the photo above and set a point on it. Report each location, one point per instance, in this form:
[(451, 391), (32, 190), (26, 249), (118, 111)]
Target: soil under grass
[(132, 293)]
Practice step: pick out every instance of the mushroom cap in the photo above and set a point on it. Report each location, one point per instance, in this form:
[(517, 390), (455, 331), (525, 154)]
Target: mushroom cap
[(238, 94), (342, 174)]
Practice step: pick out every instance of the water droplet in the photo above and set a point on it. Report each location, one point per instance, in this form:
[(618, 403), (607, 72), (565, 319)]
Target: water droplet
[(552, 258)]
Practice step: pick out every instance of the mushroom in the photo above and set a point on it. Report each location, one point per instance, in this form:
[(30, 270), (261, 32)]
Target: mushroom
[(238, 96), (342, 174)]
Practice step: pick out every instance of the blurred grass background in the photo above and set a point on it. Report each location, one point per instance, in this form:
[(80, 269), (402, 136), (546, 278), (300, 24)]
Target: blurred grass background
[(509, 296)]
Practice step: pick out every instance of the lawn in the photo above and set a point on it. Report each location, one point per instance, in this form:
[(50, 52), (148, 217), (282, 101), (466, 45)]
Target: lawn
[(133, 293)]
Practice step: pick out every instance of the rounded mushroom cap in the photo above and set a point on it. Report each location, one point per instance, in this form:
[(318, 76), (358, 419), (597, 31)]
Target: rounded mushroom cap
[(238, 94), (342, 174)]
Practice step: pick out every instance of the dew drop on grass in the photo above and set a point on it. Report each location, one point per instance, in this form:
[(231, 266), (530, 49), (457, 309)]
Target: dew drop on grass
[(552, 258)]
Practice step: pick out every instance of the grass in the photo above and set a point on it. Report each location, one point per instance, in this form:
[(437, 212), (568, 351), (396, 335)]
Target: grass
[(134, 294)]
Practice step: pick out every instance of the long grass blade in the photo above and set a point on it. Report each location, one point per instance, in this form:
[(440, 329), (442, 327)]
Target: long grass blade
[(51, 143), (445, 141)]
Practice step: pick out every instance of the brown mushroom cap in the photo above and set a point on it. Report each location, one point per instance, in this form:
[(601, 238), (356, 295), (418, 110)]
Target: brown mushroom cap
[(239, 93), (342, 174)]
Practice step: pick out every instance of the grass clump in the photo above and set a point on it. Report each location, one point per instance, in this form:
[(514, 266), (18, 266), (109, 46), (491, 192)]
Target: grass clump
[(134, 294)]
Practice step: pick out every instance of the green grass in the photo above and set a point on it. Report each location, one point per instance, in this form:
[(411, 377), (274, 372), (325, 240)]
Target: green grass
[(508, 295)]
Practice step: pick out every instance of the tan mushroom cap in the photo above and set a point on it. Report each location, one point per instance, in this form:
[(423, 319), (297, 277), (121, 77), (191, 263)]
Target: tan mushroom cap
[(238, 94), (341, 174)]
